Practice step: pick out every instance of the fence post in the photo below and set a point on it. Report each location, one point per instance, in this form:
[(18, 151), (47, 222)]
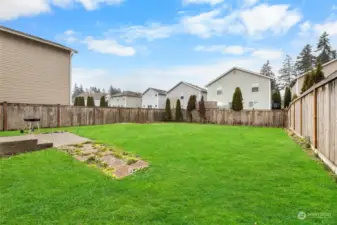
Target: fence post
[(138, 115), (315, 119), (301, 117), (5, 121), (58, 115), (94, 116)]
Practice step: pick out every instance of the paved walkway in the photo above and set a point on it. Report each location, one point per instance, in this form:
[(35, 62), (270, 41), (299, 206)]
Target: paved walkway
[(58, 139)]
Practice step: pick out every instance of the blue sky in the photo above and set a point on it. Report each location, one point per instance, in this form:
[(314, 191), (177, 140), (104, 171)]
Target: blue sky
[(135, 44)]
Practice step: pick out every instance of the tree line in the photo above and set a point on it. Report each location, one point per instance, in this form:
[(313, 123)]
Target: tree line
[(306, 62), (78, 89), (80, 101)]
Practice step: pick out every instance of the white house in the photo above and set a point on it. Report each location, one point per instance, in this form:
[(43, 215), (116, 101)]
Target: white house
[(327, 68), (183, 91), (154, 98), (255, 88), (96, 96), (126, 99)]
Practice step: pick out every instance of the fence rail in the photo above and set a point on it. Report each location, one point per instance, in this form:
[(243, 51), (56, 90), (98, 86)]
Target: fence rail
[(314, 115)]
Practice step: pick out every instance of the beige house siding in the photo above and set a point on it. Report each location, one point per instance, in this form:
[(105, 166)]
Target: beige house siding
[(33, 72)]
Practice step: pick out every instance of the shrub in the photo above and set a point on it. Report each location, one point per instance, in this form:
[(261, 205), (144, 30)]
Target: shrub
[(319, 75), (294, 97), (237, 102), (202, 109), (179, 115), (191, 105), (168, 114), (276, 98), (287, 97), (102, 102)]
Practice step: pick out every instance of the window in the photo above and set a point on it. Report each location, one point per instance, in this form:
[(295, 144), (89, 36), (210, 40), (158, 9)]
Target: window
[(155, 106), (143, 106), (181, 97), (149, 106), (255, 87), (219, 92), (251, 104), (155, 95), (230, 104)]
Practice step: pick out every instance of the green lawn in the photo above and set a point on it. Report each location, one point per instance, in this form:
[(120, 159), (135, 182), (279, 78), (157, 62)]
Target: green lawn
[(199, 174)]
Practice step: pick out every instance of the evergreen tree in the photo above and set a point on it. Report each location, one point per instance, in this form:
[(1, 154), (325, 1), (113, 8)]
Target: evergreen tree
[(287, 73), (76, 101), (294, 97), (287, 97), (113, 91), (309, 81), (179, 114), (319, 75), (276, 98), (88, 101), (82, 101), (202, 108), (102, 102), (191, 105), (326, 53), (237, 102), (77, 91), (305, 61), (168, 114), (267, 71)]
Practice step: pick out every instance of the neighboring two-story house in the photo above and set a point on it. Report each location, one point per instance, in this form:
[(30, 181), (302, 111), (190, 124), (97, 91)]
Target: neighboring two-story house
[(126, 99), (33, 70), (183, 91), (327, 68), (154, 98), (255, 88)]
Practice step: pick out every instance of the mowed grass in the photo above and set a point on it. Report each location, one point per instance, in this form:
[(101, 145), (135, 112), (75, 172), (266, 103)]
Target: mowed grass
[(199, 174)]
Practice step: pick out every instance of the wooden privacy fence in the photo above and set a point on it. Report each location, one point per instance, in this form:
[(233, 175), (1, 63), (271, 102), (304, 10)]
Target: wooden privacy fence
[(314, 115), (12, 115)]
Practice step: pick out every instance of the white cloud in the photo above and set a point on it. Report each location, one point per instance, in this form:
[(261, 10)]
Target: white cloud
[(223, 49), (108, 46), (150, 32), (330, 27), (211, 2), (248, 3), (268, 54), (212, 23), (13, 9), (274, 18), (69, 36)]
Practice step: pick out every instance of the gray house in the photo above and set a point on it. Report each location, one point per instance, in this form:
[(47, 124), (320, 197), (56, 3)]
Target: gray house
[(126, 99), (255, 88), (183, 91), (154, 98)]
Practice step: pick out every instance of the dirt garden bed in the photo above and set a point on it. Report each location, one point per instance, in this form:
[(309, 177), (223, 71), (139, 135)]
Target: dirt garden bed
[(113, 163)]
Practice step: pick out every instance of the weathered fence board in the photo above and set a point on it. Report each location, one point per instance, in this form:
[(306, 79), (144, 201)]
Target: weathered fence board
[(1, 118), (318, 118)]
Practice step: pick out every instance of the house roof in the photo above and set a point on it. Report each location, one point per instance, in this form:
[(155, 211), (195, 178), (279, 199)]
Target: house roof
[(190, 85), (160, 92), (96, 96), (35, 38), (237, 68), (128, 93)]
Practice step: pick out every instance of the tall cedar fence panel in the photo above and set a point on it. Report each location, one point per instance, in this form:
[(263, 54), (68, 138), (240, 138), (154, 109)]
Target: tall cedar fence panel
[(314, 115)]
